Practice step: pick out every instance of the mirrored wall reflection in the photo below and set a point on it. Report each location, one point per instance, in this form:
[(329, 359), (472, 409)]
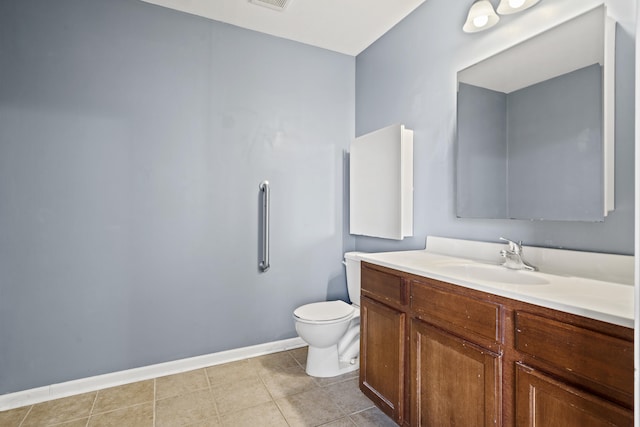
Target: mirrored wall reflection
[(535, 153), (531, 128)]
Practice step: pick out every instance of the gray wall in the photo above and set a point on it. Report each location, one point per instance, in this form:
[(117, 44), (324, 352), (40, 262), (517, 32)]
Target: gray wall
[(132, 142), (555, 163), (481, 153), (535, 153), (409, 76)]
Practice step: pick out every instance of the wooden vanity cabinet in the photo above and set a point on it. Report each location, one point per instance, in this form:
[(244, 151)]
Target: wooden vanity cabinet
[(454, 382), (383, 325), (434, 353), (571, 371), (542, 401), (455, 357)]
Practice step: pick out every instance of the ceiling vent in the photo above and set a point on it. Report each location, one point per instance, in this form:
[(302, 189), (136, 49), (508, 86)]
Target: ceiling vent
[(272, 4)]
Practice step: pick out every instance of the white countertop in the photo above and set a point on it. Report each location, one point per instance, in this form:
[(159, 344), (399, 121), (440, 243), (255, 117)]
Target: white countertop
[(596, 299)]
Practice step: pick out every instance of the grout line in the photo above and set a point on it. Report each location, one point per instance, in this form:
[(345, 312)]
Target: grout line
[(259, 374), (93, 405), (62, 423), (25, 416), (303, 366), (126, 405), (352, 421), (363, 410), (215, 404), (286, 420), (155, 387), (273, 399)]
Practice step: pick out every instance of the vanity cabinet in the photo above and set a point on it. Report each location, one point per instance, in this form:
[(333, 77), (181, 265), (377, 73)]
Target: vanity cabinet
[(435, 353), (383, 321), (455, 361), (542, 401), (453, 381), (573, 374)]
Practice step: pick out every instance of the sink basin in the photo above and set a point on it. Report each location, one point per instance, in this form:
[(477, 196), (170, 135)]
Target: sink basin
[(492, 273)]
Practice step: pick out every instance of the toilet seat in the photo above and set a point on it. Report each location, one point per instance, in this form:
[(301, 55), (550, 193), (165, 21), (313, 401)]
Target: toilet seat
[(324, 312)]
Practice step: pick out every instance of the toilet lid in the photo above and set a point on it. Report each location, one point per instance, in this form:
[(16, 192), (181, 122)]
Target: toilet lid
[(324, 311)]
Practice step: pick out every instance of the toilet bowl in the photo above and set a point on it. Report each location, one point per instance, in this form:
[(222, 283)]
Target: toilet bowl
[(332, 328)]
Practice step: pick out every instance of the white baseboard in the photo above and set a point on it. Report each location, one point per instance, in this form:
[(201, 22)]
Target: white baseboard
[(85, 385)]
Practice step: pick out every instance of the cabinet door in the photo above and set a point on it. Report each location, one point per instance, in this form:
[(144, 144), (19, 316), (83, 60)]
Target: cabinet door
[(382, 355), (453, 382), (381, 183), (545, 402)]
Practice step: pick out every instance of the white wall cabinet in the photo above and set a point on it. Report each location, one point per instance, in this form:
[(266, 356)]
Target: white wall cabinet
[(381, 183)]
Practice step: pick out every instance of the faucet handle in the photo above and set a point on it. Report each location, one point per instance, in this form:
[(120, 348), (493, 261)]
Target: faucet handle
[(513, 246)]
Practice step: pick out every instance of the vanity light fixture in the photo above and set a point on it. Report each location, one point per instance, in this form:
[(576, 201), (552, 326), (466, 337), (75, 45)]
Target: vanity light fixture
[(507, 7), (481, 16)]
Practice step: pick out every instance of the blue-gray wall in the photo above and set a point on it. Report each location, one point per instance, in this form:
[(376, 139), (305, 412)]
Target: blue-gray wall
[(481, 153), (534, 153), (132, 142), (556, 155), (409, 76)]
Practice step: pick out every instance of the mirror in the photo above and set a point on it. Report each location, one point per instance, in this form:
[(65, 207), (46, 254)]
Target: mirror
[(535, 127)]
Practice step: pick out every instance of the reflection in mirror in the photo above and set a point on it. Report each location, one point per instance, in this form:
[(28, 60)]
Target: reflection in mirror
[(534, 128)]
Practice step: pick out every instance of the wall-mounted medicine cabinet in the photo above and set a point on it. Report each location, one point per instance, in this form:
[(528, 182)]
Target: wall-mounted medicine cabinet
[(381, 183)]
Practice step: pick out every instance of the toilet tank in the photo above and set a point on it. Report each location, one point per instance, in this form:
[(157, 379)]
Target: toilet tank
[(352, 264)]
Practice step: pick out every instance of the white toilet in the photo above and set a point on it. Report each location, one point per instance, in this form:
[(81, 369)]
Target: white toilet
[(332, 328)]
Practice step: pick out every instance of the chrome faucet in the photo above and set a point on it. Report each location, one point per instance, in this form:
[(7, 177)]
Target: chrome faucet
[(513, 256)]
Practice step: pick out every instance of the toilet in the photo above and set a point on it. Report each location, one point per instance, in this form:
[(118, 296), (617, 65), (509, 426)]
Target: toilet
[(332, 328)]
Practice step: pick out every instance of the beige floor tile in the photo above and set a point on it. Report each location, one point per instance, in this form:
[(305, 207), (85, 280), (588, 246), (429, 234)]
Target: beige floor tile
[(231, 372), (287, 381), (186, 382), (233, 394), (60, 410), (211, 422), (373, 417), (186, 409), (342, 422), (300, 354), (13, 417), (123, 396), (348, 397), (273, 362), (323, 382), (132, 416), (238, 395), (264, 415), (310, 408), (82, 422)]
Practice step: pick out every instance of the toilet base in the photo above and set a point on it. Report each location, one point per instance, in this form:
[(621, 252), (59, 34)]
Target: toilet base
[(325, 362)]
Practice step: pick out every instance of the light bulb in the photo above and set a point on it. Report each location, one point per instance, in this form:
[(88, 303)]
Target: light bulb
[(481, 16), (507, 7), (480, 21)]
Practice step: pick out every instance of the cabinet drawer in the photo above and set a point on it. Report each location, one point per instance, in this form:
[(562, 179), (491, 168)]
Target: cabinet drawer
[(383, 286), (588, 354), (460, 313)]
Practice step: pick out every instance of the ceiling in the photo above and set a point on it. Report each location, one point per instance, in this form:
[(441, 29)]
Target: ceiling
[(347, 27)]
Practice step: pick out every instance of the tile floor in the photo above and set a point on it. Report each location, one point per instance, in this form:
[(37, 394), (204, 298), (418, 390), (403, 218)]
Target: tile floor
[(271, 390)]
